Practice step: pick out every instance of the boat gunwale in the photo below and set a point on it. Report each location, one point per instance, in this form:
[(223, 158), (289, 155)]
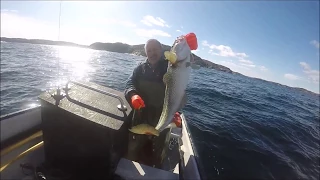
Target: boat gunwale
[(16, 138), (200, 168), (19, 112)]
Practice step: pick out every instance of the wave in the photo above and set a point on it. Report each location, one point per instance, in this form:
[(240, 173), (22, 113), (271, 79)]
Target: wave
[(243, 128)]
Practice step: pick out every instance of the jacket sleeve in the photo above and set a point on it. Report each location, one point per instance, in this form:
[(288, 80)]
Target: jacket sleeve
[(131, 85)]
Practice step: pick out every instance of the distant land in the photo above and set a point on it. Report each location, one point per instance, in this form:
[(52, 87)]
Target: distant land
[(117, 47), (136, 50)]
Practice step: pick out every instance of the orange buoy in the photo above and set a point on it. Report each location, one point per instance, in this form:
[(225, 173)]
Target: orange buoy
[(192, 41)]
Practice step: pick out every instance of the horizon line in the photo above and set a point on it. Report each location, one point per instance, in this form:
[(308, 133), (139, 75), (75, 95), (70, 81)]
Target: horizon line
[(88, 46)]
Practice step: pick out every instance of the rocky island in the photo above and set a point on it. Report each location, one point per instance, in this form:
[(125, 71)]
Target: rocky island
[(139, 50), (41, 41)]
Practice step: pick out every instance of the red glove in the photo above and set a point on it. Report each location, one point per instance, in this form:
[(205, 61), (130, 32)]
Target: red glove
[(177, 119), (137, 102)]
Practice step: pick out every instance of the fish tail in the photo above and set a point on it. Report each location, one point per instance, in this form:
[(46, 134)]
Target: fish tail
[(162, 119), (165, 124), (144, 129)]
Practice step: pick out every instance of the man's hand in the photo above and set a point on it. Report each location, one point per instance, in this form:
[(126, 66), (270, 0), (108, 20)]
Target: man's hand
[(137, 102)]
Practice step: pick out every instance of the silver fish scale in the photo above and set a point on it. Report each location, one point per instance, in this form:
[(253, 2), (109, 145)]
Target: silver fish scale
[(176, 84)]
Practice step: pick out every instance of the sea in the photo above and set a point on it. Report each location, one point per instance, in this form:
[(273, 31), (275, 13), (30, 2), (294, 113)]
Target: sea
[(242, 128)]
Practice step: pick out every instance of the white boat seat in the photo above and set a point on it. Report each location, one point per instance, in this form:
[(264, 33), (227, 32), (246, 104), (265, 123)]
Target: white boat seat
[(128, 169)]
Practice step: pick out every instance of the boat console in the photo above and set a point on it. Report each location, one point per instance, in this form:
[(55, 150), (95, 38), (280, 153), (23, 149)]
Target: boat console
[(85, 129)]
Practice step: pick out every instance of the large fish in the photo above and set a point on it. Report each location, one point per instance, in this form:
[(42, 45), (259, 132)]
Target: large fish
[(176, 80)]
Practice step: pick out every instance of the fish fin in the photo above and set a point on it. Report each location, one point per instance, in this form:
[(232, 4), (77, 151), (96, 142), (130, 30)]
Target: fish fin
[(171, 125), (195, 66), (166, 78), (131, 130), (170, 56)]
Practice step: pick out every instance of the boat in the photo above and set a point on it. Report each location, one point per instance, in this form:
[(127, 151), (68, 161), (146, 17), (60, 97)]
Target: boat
[(29, 138)]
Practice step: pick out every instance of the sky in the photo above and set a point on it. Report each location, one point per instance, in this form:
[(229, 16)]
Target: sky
[(273, 40)]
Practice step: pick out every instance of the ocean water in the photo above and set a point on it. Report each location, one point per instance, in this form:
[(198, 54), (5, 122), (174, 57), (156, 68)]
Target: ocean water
[(243, 128)]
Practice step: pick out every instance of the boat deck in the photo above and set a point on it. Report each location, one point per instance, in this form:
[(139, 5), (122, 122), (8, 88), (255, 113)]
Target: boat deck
[(126, 169)]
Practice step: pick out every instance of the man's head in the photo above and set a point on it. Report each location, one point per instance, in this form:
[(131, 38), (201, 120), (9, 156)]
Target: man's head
[(153, 49)]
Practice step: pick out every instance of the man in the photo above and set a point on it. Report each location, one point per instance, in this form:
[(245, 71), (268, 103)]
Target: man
[(145, 87), (145, 93)]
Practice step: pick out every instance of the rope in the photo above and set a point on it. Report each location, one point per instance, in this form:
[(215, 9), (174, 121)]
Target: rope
[(20, 143), (35, 147)]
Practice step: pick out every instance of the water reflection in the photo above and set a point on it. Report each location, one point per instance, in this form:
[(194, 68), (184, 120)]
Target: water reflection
[(33, 105), (73, 63)]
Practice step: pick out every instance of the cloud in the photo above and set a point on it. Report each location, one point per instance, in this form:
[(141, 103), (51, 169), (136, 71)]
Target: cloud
[(315, 43), (262, 68), (291, 77), (9, 10), (180, 31), (12, 23), (235, 67), (246, 70), (311, 74), (224, 51), (248, 65), (150, 21), (151, 33), (146, 22), (108, 21), (127, 23), (246, 61), (304, 65), (205, 43)]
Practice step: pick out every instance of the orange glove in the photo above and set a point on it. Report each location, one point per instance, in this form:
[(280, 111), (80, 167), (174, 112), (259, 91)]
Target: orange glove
[(137, 102), (192, 41)]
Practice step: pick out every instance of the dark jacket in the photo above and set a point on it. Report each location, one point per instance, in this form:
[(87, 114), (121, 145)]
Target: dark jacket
[(144, 72)]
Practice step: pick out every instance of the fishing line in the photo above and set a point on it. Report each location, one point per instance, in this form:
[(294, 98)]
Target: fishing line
[(59, 40), (59, 20)]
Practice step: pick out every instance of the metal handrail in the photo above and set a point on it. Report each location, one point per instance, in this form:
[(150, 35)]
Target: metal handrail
[(121, 106)]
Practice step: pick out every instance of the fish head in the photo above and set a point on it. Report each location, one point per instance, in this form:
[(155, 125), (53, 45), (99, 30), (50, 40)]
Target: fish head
[(180, 53), (181, 49)]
